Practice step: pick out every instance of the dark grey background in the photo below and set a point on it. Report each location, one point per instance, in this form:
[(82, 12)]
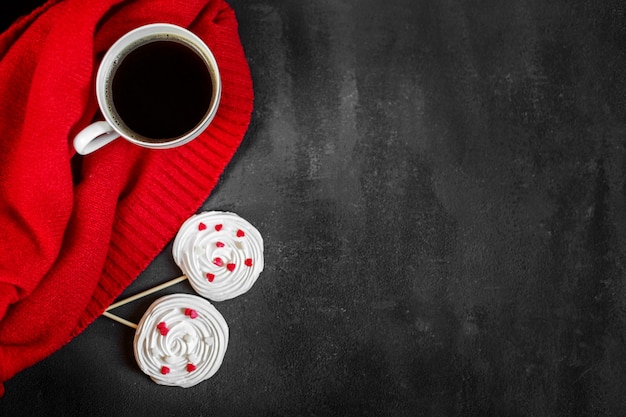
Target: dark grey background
[(440, 185)]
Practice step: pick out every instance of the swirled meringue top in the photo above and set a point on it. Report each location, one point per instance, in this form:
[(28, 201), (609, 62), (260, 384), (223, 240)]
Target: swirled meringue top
[(221, 254), (181, 340)]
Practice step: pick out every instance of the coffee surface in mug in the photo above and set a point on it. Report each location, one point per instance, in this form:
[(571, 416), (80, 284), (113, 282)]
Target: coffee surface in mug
[(160, 89)]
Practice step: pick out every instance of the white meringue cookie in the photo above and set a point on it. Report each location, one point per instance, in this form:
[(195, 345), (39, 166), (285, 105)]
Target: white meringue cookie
[(220, 253), (181, 340)]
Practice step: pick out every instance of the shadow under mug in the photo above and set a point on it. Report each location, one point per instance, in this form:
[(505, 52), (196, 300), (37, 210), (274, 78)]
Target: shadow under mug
[(158, 86)]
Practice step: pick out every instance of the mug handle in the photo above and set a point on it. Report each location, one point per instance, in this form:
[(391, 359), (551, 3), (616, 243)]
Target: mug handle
[(94, 137)]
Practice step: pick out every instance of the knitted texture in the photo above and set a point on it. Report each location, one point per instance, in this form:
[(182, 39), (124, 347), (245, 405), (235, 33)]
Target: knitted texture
[(78, 230)]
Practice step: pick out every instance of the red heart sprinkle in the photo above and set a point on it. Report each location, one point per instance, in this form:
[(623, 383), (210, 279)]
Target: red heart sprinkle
[(231, 267), (165, 370), (201, 226), (163, 328), (240, 233), (218, 227), (248, 262), (219, 244), (191, 367), (210, 277), (218, 261), (191, 313)]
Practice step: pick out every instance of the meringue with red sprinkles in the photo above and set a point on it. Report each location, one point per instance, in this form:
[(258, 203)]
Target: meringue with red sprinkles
[(181, 340), (220, 252)]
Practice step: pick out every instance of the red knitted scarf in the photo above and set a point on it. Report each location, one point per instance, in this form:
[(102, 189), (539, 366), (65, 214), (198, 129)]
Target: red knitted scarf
[(77, 230)]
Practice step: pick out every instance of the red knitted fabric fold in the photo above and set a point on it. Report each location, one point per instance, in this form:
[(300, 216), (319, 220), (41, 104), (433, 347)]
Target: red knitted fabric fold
[(77, 230)]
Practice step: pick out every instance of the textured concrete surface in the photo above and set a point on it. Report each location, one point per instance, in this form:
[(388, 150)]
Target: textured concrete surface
[(440, 185)]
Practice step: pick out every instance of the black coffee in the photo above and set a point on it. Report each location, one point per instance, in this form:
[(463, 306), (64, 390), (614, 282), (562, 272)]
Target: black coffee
[(161, 90)]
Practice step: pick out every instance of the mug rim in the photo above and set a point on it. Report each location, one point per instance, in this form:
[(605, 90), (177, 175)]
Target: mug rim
[(135, 35)]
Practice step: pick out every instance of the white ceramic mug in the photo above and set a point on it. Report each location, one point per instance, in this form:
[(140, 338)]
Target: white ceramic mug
[(100, 133)]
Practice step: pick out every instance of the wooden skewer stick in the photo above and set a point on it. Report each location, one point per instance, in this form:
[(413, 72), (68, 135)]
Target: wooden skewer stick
[(146, 293), (119, 319)]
